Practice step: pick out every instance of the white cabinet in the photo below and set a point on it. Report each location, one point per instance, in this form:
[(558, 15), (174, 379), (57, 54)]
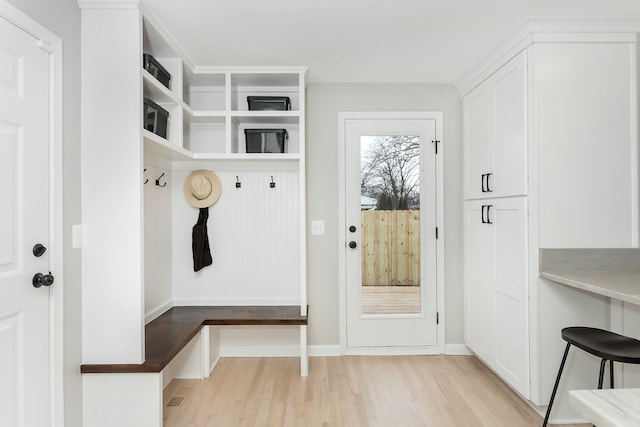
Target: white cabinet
[(495, 133), (496, 302), (554, 125)]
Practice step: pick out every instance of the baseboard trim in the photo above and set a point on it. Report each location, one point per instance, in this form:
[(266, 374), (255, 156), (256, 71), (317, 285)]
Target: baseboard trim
[(457, 350), (325, 350), (337, 350), (156, 312), (392, 351)]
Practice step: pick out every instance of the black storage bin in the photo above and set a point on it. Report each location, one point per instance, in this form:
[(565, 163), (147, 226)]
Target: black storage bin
[(276, 103), (155, 118), (266, 140), (156, 70)]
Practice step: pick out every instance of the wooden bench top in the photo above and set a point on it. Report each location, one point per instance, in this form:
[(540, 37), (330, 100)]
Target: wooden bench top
[(170, 332)]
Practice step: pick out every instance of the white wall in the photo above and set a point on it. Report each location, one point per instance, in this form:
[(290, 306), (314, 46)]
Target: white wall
[(324, 102), (62, 17)]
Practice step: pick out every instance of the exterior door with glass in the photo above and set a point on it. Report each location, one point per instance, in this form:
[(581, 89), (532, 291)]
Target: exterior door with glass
[(390, 235)]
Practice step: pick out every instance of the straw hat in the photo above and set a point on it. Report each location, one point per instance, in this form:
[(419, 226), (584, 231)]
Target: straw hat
[(202, 188)]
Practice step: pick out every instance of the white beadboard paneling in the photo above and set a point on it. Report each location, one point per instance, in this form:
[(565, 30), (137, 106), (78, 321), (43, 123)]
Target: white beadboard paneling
[(157, 241), (254, 239)]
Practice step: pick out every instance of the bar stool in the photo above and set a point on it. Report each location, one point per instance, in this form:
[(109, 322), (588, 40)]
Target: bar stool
[(604, 344)]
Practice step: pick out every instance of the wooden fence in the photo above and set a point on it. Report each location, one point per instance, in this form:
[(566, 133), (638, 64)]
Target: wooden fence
[(390, 248)]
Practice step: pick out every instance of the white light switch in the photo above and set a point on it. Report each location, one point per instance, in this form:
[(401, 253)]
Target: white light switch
[(317, 228), (76, 239)]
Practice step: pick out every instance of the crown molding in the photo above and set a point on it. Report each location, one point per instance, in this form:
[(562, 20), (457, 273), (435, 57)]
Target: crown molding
[(548, 30), (108, 4)]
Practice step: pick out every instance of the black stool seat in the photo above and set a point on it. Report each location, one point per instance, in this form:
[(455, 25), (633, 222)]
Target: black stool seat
[(604, 344)]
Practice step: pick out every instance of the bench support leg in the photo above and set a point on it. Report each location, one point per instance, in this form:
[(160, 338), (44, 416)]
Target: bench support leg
[(304, 355)]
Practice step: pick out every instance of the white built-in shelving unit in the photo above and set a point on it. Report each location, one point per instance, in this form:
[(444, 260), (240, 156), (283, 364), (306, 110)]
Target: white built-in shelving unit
[(130, 262)]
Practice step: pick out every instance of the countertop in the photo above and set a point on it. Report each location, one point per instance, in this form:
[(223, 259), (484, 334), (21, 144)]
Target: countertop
[(614, 273), (608, 408)]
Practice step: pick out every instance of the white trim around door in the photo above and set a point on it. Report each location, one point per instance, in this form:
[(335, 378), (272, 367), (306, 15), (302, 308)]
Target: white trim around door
[(439, 348)]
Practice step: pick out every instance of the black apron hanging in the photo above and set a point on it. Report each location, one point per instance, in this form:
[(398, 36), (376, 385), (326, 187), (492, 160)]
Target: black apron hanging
[(200, 242)]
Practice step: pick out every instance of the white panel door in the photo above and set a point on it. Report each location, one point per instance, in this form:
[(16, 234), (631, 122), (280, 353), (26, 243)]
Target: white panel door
[(24, 222), (479, 273), (496, 292), (495, 134), (478, 147), (509, 218), (509, 176)]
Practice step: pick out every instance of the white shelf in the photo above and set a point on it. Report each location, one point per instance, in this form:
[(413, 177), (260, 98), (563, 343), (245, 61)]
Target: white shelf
[(195, 116), (161, 147), (208, 111), (156, 91), (245, 156), (266, 117)]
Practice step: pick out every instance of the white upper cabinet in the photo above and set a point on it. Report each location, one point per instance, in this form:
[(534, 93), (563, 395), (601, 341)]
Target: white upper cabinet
[(495, 134)]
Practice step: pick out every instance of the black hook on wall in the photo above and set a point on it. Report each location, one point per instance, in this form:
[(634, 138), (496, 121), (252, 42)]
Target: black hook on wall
[(146, 180), (272, 184), (238, 183), (158, 181)]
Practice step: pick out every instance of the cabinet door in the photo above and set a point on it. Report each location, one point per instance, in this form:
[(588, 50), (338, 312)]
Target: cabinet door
[(479, 262), (495, 134), (478, 147), (509, 218), (496, 291), (509, 175)]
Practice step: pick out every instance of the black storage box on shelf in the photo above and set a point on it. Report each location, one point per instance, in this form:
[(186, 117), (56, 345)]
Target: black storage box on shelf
[(155, 118), (156, 70), (273, 103), (266, 140)]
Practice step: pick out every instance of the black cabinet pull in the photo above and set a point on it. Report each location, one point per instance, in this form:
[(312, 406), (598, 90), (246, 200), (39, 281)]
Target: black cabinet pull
[(487, 219), (483, 190), (485, 183)]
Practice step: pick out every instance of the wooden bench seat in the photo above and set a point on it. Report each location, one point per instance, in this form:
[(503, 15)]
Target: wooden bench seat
[(173, 330)]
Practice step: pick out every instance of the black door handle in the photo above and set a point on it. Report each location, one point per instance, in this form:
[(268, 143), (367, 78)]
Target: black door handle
[(40, 279), (489, 190), (353, 244), (352, 228)]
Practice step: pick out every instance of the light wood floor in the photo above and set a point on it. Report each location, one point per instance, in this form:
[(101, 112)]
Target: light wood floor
[(367, 391)]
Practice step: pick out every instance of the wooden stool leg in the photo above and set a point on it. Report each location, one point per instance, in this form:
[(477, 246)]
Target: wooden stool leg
[(555, 387), (601, 373)]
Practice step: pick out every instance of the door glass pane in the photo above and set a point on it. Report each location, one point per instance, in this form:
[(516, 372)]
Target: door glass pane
[(390, 211)]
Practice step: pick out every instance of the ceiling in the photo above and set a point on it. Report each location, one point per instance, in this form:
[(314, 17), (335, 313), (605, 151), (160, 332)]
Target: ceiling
[(363, 41)]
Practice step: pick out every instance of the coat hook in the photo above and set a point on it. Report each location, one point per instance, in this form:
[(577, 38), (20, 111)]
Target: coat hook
[(158, 181), (238, 183), (146, 180), (272, 184)]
